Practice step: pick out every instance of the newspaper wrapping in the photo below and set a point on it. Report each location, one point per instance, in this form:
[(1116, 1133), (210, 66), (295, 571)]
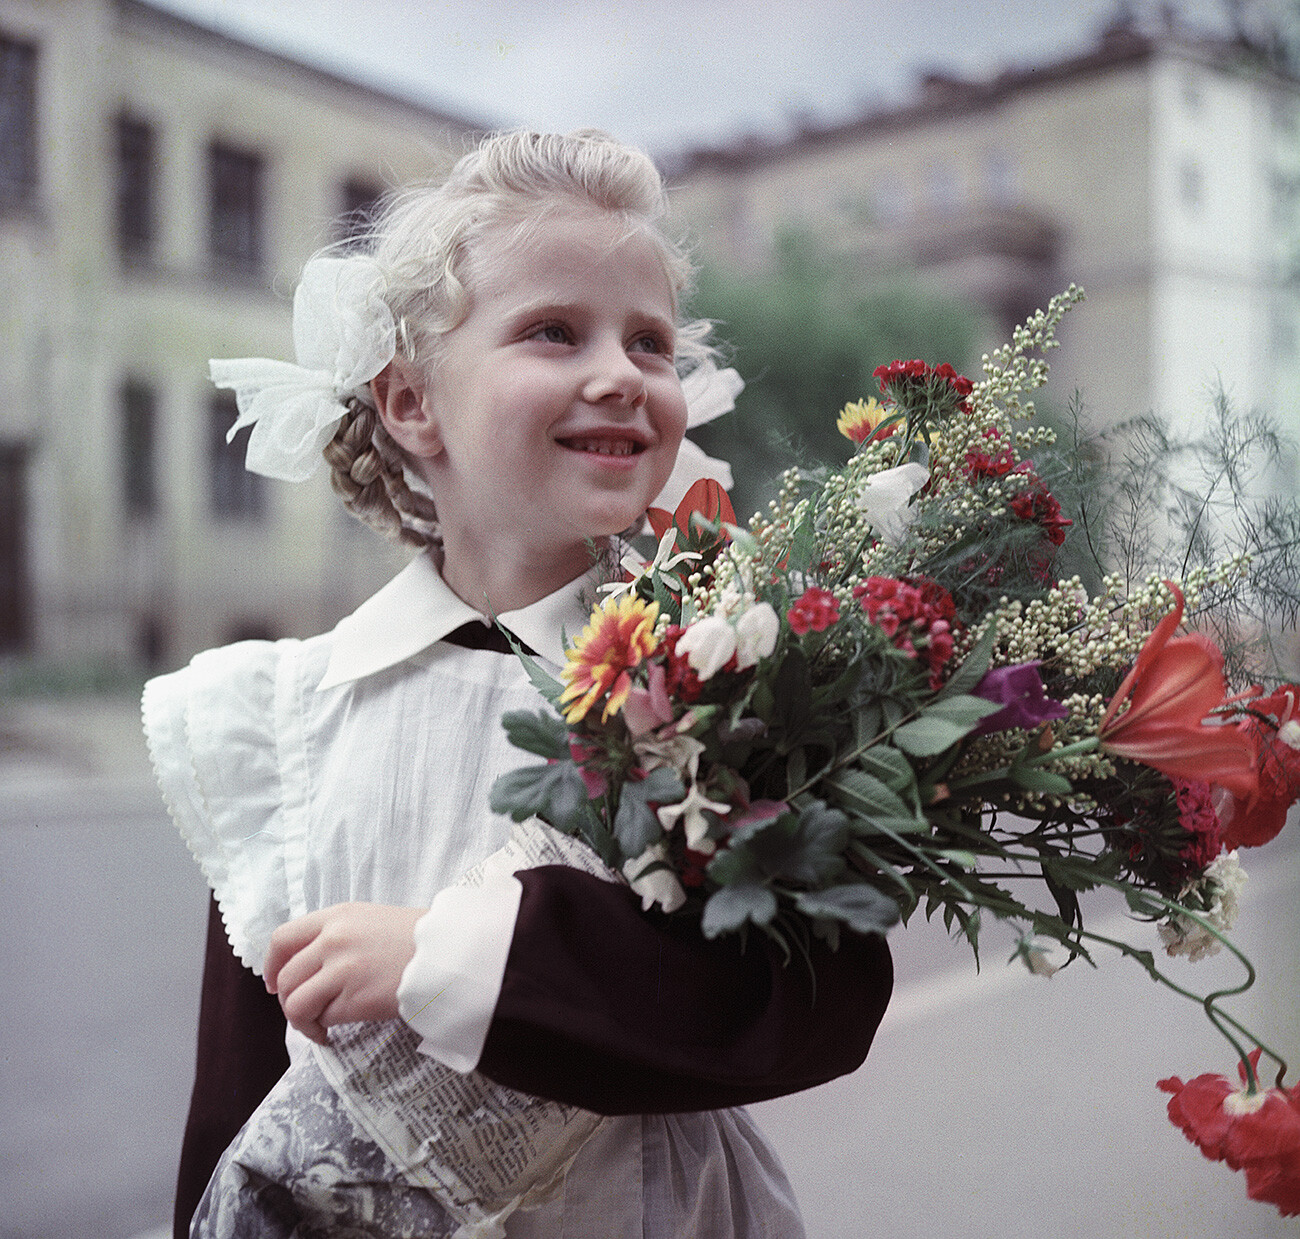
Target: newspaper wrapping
[(482, 1149)]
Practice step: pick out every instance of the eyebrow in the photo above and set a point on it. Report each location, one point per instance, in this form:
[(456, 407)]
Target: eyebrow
[(542, 308)]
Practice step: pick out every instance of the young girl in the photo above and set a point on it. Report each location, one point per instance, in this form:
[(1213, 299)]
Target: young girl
[(501, 381)]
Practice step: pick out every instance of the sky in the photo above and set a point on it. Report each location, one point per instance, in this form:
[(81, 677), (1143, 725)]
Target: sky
[(667, 74)]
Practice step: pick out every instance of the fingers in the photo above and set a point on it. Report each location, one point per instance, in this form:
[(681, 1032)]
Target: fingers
[(288, 941), (306, 1006)]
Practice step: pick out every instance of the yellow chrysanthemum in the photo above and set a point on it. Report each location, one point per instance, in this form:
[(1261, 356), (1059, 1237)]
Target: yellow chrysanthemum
[(620, 635), (861, 419)]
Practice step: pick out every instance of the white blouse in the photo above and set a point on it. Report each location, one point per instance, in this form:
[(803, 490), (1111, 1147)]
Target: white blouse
[(356, 766)]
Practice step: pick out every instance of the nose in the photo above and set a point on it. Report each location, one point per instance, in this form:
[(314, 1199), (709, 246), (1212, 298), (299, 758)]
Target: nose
[(614, 378)]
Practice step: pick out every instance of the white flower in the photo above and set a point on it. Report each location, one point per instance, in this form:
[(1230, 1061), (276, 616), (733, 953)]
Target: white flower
[(657, 886), (708, 645), (1182, 935), (664, 562), (756, 633), (886, 495), (678, 752), (691, 813), (1289, 733)]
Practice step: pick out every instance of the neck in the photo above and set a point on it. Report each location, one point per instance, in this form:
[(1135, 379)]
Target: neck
[(498, 576)]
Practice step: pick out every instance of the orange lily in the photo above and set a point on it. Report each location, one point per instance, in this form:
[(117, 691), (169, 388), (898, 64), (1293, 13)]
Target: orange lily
[(1175, 684), (705, 497)]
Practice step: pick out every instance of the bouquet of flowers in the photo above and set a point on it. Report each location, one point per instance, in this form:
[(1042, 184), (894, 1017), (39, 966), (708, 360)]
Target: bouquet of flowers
[(876, 697)]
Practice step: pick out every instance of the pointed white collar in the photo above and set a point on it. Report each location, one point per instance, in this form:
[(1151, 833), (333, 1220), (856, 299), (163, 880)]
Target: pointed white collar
[(417, 608)]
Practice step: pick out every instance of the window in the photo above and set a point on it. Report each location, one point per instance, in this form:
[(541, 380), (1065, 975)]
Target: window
[(360, 205), (17, 123), (236, 493), (136, 187), (139, 406), (235, 222)]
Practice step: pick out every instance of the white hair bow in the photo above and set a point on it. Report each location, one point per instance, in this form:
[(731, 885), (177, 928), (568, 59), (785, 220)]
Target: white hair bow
[(343, 335)]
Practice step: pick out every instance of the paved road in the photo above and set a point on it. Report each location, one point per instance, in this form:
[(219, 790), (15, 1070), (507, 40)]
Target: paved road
[(992, 1107)]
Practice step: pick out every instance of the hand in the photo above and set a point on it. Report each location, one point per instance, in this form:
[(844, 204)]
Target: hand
[(341, 964)]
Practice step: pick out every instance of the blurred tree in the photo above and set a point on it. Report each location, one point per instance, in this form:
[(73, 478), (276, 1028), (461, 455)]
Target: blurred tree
[(806, 334)]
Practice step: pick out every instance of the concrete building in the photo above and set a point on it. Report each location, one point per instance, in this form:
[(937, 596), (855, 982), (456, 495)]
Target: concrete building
[(1158, 170), (160, 188)]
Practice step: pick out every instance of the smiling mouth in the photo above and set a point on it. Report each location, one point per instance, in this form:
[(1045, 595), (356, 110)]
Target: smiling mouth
[(603, 447)]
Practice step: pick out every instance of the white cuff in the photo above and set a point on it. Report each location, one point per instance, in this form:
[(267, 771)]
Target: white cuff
[(449, 990)]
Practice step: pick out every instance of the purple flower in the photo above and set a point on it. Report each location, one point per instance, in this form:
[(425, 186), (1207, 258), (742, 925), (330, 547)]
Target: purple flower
[(1019, 691)]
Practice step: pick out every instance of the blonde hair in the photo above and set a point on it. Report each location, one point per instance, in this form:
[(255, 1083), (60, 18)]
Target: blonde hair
[(425, 244)]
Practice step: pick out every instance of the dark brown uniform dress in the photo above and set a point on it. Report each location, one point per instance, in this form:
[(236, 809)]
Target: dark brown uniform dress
[(602, 1006)]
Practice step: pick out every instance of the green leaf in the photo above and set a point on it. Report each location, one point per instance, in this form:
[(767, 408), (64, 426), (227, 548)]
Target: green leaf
[(1033, 779), (636, 824), (928, 737), (866, 795), (806, 847), (866, 723), (960, 856), (735, 865), (865, 827), (537, 731), (542, 680), (973, 666), (961, 709), (730, 908), (554, 792), (862, 908), (1142, 904), (889, 766)]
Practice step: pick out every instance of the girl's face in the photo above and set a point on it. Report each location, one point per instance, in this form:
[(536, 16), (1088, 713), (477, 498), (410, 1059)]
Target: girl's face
[(554, 409)]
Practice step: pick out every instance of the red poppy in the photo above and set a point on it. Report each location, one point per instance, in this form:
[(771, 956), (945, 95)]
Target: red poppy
[(1257, 1132), (1175, 684), (1274, 730)]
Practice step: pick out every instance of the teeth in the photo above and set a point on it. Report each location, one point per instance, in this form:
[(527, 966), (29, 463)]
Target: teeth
[(604, 447)]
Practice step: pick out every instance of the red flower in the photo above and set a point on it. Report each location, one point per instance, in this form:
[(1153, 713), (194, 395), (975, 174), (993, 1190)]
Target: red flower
[(815, 608), (679, 676), (1197, 817), (708, 499), (619, 636), (1037, 504), (1251, 821), (942, 383), (1175, 684), (1258, 1132), (917, 615)]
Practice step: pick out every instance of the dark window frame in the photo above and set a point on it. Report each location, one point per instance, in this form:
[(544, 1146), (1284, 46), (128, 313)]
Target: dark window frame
[(234, 494), (19, 123), (138, 405), (236, 210), (360, 200), (135, 185)]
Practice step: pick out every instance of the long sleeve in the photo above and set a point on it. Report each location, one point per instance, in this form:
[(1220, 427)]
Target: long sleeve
[(605, 1007)]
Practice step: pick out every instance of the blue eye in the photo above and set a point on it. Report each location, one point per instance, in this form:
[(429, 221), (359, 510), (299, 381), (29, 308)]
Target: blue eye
[(551, 333), (651, 342)]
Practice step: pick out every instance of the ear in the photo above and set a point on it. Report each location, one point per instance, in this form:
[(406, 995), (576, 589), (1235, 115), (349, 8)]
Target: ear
[(399, 393)]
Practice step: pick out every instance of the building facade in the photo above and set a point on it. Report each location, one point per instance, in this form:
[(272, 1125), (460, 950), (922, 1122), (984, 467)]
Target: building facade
[(1158, 170), (161, 186)]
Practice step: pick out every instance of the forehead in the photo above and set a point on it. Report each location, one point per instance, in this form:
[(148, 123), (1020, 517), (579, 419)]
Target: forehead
[(567, 254)]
